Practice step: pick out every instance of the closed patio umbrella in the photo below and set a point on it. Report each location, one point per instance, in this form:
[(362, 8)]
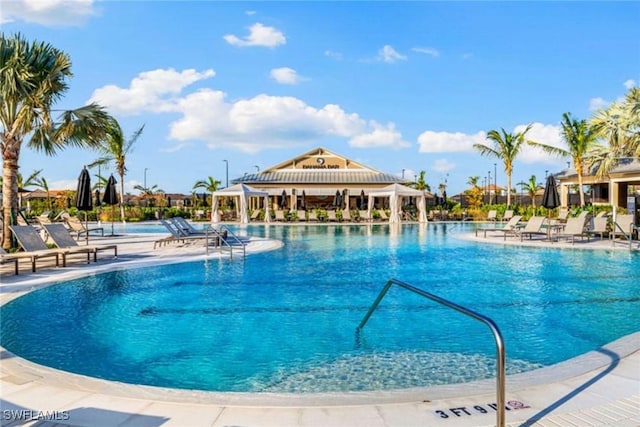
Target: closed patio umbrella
[(550, 199), (336, 199), (111, 197), (363, 200), (303, 201), (283, 199), (344, 199), (84, 197)]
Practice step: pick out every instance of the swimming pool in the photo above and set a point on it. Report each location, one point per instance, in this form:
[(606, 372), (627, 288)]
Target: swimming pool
[(285, 320)]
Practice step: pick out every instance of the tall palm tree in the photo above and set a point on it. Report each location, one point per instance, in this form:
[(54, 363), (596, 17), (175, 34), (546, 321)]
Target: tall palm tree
[(209, 185), (421, 182), (580, 139), (531, 187), (33, 76), (506, 147), (619, 126), (23, 184), (115, 148)]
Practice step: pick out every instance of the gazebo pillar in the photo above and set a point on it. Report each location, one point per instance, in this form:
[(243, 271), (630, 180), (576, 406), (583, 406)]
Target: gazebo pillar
[(564, 195)]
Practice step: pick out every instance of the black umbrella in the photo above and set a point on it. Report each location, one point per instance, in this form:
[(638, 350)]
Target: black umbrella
[(444, 198), (550, 198), (303, 201), (97, 198), (84, 199), (283, 199), (168, 201), (344, 199), (111, 197), (336, 199), (363, 200)]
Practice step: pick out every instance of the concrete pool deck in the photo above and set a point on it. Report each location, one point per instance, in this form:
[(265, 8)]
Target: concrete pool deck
[(600, 388)]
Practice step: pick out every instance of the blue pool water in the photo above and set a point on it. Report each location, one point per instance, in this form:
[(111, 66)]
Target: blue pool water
[(285, 320)]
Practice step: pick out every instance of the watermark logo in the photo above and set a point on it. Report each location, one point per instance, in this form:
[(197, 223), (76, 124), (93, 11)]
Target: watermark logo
[(32, 415)]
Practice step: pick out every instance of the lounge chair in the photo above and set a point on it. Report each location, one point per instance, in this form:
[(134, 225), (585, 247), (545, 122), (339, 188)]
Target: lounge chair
[(563, 216), (364, 215), (6, 258), (185, 228), (175, 235), (599, 225), (63, 239), (383, 215), (255, 214), (508, 228), (301, 215), (78, 227), (346, 215), (534, 226), (280, 215), (508, 214), (313, 216), (331, 216), (34, 247), (573, 228), (492, 215), (622, 227)]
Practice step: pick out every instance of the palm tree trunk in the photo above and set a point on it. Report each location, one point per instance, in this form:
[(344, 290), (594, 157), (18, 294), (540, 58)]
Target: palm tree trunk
[(121, 198), (9, 190), (508, 191), (580, 189)]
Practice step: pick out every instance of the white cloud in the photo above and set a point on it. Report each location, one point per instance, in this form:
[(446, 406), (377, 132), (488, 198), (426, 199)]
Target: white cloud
[(250, 12), (285, 76), (259, 35), (446, 142), (544, 134), (443, 166), (335, 55), (389, 55), (64, 184), (150, 91), (427, 51), (629, 84), (467, 55), (380, 136), (55, 13), (596, 104)]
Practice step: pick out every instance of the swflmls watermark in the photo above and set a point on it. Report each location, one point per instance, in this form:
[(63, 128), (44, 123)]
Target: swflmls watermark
[(31, 415)]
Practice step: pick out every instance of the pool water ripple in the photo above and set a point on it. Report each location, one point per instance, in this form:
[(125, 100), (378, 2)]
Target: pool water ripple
[(285, 320)]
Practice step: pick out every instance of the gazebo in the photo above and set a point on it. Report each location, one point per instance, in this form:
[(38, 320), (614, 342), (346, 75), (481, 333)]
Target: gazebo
[(396, 193), (242, 192)]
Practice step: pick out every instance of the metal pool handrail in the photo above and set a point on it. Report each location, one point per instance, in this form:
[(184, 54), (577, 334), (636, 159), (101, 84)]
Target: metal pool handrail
[(217, 233), (500, 348)]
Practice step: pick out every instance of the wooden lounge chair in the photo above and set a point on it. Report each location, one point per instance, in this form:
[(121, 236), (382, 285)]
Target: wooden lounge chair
[(533, 226), (301, 214), (313, 216), (573, 228), (78, 227), (331, 216), (34, 247), (508, 228), (63, 239), (346, 215), (6, 258)]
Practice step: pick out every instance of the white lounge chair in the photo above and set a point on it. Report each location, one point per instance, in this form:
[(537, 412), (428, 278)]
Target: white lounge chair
[(508, 228)]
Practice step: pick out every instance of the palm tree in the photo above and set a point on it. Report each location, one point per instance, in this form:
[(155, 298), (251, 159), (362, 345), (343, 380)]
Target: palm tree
[(619, 125), (209, 185), (506, 147), (115, 149), (532, 187), (474, 194), (31, 181), (33, 77), (42, 183), (148, 192), (580, 139), (421, 182)]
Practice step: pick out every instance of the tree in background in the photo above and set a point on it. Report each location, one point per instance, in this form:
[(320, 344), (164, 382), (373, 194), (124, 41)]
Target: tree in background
[(115, 148), (580, 138), (474, 194), (33, 76), (531, 187), (209, 185), (506, 147)]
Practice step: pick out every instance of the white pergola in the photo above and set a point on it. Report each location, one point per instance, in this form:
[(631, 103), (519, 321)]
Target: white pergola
[(396, 193), (241, 193)]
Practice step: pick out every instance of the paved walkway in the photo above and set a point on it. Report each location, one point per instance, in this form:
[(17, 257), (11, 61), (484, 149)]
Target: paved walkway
[(601, 388)]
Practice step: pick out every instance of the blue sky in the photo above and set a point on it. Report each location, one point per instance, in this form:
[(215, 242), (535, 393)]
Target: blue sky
[(394, 85)]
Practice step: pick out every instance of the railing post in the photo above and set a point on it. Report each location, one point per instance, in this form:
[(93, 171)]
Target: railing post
[(500, 347)]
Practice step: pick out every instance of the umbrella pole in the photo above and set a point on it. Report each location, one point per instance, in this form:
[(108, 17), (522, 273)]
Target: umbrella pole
[(112, 218), (86, 226)]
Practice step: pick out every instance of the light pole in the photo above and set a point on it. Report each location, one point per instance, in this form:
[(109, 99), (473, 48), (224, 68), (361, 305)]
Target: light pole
[(489, 186), (257, 168), (495, 181), (227, 172), (402, 173), (145, 179)]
